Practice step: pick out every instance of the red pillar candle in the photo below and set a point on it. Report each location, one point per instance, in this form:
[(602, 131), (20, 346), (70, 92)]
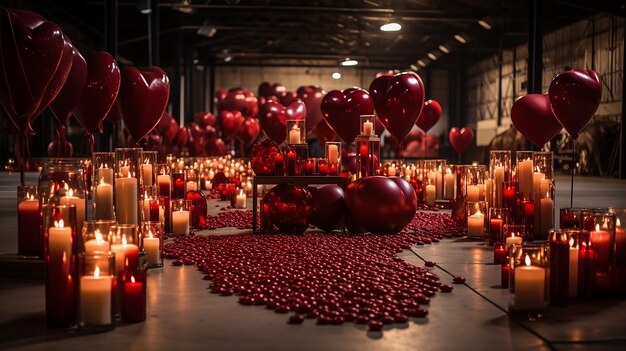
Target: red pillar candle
[(29, 236), (601, 257), (495, 231), (322, 167), (310, 166), (278, 164), (291, 162), (500, 253), (133, 293), (504, 275), (509, 196), (154, 210), (178, 186), (529, 218), (559, 271)]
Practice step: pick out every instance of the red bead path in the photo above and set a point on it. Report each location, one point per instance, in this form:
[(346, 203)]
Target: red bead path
[(331, 277)]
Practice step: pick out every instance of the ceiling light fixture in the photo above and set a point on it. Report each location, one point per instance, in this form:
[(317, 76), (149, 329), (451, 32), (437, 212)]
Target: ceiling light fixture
[(207, 30), (421, 63), (484, 24), (460, 39), (184, 7), (336, 75), (444, 49), (391, 27), (145, 11), (414, 67), (349, 62), (228, 58), (432, 56)]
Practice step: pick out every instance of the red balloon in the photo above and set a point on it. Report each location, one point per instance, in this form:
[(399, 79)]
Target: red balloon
[(267, 89), (380, 205), (252, 105), (323, 132), (461, 139), (218, 99), (312, 99), (54, 149), (262, 157), (430, 115), (67, 98), (143, 99), (289, 207), (182, 137), (249, 131), (533, 117), (241, 100), (205, 118), (399, 101), (231, 122), (575, 96), (273, 117), (329, 207), (198, 208), (59, 78), (288, 98), (342, 111), (100, 91), (215, 147), (29, 61)]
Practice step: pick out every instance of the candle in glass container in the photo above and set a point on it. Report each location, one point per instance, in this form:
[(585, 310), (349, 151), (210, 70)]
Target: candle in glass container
[(146, 172), (126, 202), (530, 282), (537, 178), (29, 219), (152, 247), (573, 268), (499, 185), (97, 244), (333, 153), (126, 255), (513, 240), (124, 171), (525, 176), (495, 230), (431, 194), (473, 193), (191, 186), (106, 174), (600, 240), (294, 135), (104, 201), (180, 222), (476, 224), (146, 206), (545, 214), (488, 192), (448, 184), (59, 241), (392, 171), (133, 300), (95, 299), (70, 199), (164, 181), (241, 200)]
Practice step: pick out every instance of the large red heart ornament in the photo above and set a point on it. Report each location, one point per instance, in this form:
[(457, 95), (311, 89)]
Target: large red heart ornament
[(533, 117), (273, 117), (342, 111), (461, 139), (430, 115)]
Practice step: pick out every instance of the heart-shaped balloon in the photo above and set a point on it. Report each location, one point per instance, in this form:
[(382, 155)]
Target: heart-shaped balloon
[(218, 99), (59, 78), (249, 131), (430, 115), (342, 111), (287, 98), (143, 99), (267, 89), (273, 117), (241, 100), (30, 58), (399, 101), (313, 101), (231, 122), (67, 98), (575, 96), (100, 91), (533, 117), (461, 139)]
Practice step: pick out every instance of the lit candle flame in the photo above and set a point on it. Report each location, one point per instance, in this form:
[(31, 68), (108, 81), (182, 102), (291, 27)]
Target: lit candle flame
[(150, 235), (527, 260), (59, 224), (124, 242), (70, 193), (66, 187), (98, 236), (32, 197), (101, 180), (96, 272), (571, 242), (126, 263), (618, 223), (597, 227), (132, 279)]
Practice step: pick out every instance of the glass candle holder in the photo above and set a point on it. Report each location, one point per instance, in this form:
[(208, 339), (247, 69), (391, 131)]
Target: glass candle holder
[(103, 164), (475, 183), (581, 272), (151, 243), (125, 244), (498, 216), (296, 156), (619, 272), (430, 193), (368, 125), (128, 162), (569, 218), (29, 238), (435, 175), (149, 193), (178, 185), (513, 234), (148, 165), (164, 179), (322, 166), (191, 180), (296, 131), (509, 196), (527, 210), (499, 172), (332, 152), (476, 218), (500, 254), (601, 227), (459, 172), (96, 291), (95, 236), (199, 207), (181, 218), (310, 166), (133, 296), (449, 182), (165, 213), (543, 162), (559, 266), (279, 164), (544, 210), (368, 156), (127, 171), (60, 250), (525, 171), (529, 273)]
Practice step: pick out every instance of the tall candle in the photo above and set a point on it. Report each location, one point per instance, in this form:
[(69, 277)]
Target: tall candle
[(241, 200), (573, 269), (448, 184), (97, 244), (476, 225), (600, 240), (145, 206), (430, 195), (163, 182), (146, 172), (537, 178), (70, 199), (525, 176), (545, 215), (95, 299), (499, 185), (60, 242), (294, 135), (28, 222), (126, 256), (530, 283), (104, 201), (152, 247), (106, 174), (333, 153), (473, 193), (439, 182), (489, 192), (180, 222), (368, 128), (126, 201)]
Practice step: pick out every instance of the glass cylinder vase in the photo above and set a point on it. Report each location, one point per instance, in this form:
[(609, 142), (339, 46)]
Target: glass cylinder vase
[(152, 243), (529, 274), (499, 172), (29, 238), (476, 218), (332, 152), (96, 291)]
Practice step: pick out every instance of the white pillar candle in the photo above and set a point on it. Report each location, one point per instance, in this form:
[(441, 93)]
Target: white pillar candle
[(333, 153), (146, 173), (530, 282), (97, 244), (70, 199), (104, 201), (145, 205), (439, 182), (513, 240), (431, 195), (392, 170), (448, 184), (476, 225), (294, 135), (573, 269), (164, 182), (60, 242), (489, 192), (473, 193), (191, 186), (241, 200), (124, 171), (152, 247), (368, 128), (122, 251), (525, 176), (208, 185), (537, 178), (180, 222), (499, 185), (105, 174), (546, 218), (126, 202), (95, 299)]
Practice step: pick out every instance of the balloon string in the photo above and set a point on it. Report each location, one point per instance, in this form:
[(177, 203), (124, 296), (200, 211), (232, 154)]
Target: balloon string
[(18, 156), (91, 143), (425, 145), (571, 199)]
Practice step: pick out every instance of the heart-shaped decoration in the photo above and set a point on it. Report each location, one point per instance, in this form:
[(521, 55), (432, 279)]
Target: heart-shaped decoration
[(575, 96), (430, 115), (342, 111), (231, 122), (287, 98), (218, 99), (249, 131), (267, 89), (100, 91), (533, 117), (312, 99), (59, 78), (461, 139), (273, 117), (399, 101), (30, 58), (239, 99), (67, 98), (143, 99)]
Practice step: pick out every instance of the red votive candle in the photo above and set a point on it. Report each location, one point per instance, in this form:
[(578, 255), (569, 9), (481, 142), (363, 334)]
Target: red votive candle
[(310, 166), (278, 164), (529, 219), (154, 210), (332, 169), (322, 167), (500, 253), (133, 293), (291, 162), (178, 186), (30, 240), (559, 269), (495, 231), (509, 196), (504, 275)]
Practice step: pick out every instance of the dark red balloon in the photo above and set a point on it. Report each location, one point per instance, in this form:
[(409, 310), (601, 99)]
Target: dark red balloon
[(400, 103), (342, 111), (323, 132), (215, 147), (329, 207), (533, 117), (575, 96), (100, 92), (262, 157), (143, 99), (59, 78), (67, 98), (289, 207), (249, 131), (461, 139), (54, 149), (430, 115), (219, 97), (273, 116), (313, 101), (205, 118), (231, 122)]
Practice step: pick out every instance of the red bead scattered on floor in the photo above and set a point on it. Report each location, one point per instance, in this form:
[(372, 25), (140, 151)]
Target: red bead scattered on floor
[(241, 219), (332, 277)]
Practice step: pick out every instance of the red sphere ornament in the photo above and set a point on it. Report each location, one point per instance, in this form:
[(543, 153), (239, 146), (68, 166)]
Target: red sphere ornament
[(329, 207), (289, 207), (262, 157), (198, 208)]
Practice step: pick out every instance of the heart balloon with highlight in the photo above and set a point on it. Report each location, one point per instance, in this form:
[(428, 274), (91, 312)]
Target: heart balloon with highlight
[(60, 76), (461, 139), (273, 117), (312, 98), (249, 131), (231, 122), (342, 111), (143, 98), (575, 96), (67, 98), (99, 93), (430, 115), (532, 116)]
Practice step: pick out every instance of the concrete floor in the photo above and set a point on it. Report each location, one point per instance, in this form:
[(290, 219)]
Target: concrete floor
[(183, 315)]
